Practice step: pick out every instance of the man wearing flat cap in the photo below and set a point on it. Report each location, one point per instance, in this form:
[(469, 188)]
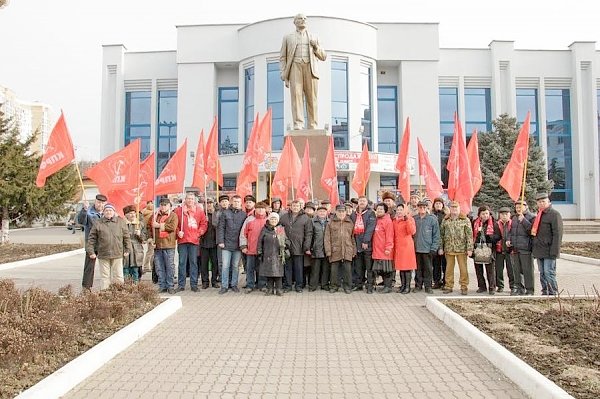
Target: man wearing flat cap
[(427, 243), (520, 244), (503, 251), (208, 250), (87, 217), (547, 233)]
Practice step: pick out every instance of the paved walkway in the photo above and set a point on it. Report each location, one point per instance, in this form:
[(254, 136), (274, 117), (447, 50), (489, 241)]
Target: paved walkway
[(301, 345)]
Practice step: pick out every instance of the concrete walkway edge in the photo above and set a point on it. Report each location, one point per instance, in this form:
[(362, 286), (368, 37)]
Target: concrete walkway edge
[(70, 375), (41, 259), (523, 375), (580, 259)]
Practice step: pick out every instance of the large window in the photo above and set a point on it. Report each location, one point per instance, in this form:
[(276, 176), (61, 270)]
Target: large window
[(275, 102), (527, 100), (167, 127), (228, 120), (478, 110), (248, 102), (365, 104), (387, 118), (558, 131), (598, 112), (448, 106), (137, 120), (339, 104)]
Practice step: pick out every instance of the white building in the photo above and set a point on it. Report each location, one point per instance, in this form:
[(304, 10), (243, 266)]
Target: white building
[(28, 116), (375, 75)]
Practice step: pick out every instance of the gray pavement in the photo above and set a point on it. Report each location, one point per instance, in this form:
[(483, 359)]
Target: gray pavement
[(46, 235), (301, 345)]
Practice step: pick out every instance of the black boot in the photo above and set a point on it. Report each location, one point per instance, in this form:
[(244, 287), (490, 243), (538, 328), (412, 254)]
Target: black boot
[(402, 282), (407, 278)]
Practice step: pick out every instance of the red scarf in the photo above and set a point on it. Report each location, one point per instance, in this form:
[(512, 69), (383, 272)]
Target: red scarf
[(501, 226), (489, 230), (536, 222), (359, 225)]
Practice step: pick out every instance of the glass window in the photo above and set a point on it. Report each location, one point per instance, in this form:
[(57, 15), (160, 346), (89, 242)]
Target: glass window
[(167, 127), (275, 102), (365, 104), (137, 120), (387, 114), (598, 112), (248, 102), (527, 100), (339, 104), (343, 188), (448, 107), (228, 120), (388, 181), (560, 158), (478, 110)]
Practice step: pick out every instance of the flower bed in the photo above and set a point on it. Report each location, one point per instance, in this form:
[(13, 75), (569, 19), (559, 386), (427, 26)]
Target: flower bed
[(40, 331)]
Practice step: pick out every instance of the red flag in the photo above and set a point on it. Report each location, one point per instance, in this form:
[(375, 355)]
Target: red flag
[(304, 189), (213, 168), (402, 164), (199, 180), (172, 178), (329, 177), (59, 152), (473, 154), (363, 172), (142, 193), (287, 174), (433, 184), (249, 170), (118, 171), (512, 178), (265, 134), (459, 182)]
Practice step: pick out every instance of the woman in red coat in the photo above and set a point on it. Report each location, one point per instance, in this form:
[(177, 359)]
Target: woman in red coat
[(404, 246), (383, 246)]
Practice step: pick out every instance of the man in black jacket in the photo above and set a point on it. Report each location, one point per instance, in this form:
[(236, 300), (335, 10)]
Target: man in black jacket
[(208, 249), (228, 239), (547, 232), (364, 220), (320, 264), (298, 229), (520, 242)]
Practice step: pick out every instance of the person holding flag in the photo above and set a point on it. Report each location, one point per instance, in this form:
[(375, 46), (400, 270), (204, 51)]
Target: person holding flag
[(192, 224), (164, 225)]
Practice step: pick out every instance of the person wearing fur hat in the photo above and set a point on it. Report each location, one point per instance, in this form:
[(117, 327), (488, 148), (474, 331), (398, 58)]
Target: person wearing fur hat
[(389, 199), (132, 264)]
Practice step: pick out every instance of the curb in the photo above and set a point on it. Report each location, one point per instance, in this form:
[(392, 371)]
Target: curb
[(70, 375), (580, 259), (41, 259), (532, 382)]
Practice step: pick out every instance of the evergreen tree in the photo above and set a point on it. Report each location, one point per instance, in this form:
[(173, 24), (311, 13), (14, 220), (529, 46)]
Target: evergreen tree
[(495, 150), (20, 199)]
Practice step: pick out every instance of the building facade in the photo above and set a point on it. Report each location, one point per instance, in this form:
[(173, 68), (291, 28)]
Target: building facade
[(375, 76), (29, 116)]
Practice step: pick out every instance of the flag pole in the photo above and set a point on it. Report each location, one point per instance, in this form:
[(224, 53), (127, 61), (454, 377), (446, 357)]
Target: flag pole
[(138, 199), (270, 176), (524, 175), (80, 180)]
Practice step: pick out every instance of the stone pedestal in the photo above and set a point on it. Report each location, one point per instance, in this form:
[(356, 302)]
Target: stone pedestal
[(318, 141)]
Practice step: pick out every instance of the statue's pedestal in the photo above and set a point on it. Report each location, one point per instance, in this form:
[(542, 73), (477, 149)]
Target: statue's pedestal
[(318, 142)]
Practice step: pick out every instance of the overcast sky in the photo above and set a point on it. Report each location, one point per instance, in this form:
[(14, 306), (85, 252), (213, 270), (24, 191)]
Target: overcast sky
[(51, 50)]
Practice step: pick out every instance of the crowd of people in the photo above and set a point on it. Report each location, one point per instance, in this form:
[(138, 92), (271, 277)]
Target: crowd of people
[(356, 246)]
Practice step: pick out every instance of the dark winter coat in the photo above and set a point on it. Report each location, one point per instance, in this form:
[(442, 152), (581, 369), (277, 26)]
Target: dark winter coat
[(298, 230), (339, 242), (136, 256), (370, 220), (520, 233), (109, 238), (209, 239), (317, 249), (87, 218), (228, 230), (270, 249), (547, 241), (427, 237)]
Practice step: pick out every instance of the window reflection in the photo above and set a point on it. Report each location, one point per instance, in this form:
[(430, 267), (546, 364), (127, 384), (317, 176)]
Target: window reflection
[(275, 102), (137, 120), (167, 127), (387, 114), (339, 104), (365, 104), (558, 132), (248, 102), (228, 120), (448, 107), (478, 110), (527, 100)]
